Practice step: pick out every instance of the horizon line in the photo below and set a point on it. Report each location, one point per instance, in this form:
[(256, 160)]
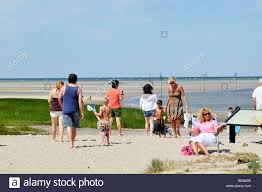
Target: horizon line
[(136, 77)]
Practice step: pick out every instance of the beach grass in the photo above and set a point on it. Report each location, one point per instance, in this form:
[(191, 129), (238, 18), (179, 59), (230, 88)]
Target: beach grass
[(228, 163), (29, 112)]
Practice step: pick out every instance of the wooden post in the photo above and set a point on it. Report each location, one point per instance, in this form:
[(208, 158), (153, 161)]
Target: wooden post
[(232, 134)]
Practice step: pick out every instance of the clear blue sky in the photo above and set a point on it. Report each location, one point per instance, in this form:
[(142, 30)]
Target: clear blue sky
[(97, 38)]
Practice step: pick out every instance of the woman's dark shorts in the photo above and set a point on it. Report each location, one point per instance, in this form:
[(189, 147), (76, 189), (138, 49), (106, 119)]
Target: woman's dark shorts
[(116, 112)]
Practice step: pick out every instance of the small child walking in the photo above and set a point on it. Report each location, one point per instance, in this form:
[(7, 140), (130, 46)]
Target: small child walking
[(160, 123), (237, 127), (104, 124)]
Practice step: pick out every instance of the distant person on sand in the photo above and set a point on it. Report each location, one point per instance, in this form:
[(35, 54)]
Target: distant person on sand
[(148, 105), (230, 111), (204, 131), (160, 123), (56, 111), (237, 127), (174, 107), (104, 123), (115, 96), (257, 100), (71, 100)]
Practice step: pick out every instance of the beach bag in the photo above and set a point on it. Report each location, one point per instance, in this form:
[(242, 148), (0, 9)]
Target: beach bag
[(194, 120), (187, 150), (187, 118)]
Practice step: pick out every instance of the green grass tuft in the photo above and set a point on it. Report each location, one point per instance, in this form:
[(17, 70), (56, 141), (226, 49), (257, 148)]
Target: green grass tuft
[(254, 165)]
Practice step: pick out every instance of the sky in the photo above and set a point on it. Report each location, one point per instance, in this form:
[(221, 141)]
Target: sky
[(130, 38)]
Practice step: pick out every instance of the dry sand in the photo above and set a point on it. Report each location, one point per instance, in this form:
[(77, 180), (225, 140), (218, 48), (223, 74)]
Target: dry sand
[(131, 153)]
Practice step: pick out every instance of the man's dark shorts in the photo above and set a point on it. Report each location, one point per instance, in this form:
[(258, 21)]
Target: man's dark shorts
[(71, 119)]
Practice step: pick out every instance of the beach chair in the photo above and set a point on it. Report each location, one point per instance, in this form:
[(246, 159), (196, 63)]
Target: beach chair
[(194, 121)]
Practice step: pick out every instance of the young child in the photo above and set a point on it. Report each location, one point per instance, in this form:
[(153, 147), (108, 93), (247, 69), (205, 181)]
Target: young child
[(104, 123), (159, 113), (237, 127)]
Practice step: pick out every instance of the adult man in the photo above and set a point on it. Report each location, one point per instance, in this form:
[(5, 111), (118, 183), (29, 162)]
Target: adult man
[(71, 100), (257, 100)]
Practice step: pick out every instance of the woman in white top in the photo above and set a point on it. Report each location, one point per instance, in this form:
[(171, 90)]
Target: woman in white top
[(148, 104)]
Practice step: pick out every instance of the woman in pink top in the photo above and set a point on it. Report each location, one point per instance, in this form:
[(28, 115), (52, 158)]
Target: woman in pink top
[(115, 96), (207, 128)]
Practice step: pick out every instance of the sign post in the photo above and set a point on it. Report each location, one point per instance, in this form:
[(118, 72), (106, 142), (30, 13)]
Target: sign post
[(250, 118)]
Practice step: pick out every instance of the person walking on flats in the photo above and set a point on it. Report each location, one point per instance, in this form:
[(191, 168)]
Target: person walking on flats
[(71, 100), (174, 107), (148, 105), (56, 111), (115, 96), (257, 100)]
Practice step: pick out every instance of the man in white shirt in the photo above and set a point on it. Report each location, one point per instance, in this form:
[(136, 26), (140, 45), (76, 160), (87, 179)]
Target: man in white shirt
[(257, 96), (257, 100)]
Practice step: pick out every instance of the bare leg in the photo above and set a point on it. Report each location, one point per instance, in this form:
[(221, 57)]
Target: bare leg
[(110, 127), (71, 131), (194, 147), (118, 124), (174, 129), (61, 128), (107, 140), (203, 148), (177, 122), (74, 134), (54, 125), (151, 124), (147, 125)]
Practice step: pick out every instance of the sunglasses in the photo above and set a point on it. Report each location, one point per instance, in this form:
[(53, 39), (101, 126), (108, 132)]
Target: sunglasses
[(172, 83), (204, 114)]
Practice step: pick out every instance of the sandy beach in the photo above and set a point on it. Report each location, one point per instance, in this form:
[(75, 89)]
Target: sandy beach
[(129, 154)]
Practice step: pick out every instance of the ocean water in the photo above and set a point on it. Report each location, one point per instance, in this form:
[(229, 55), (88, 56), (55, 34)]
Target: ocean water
[(136, 78), (218, 101)]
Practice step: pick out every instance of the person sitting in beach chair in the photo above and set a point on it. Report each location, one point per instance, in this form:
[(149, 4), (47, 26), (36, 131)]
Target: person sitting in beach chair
[(204, 131)]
